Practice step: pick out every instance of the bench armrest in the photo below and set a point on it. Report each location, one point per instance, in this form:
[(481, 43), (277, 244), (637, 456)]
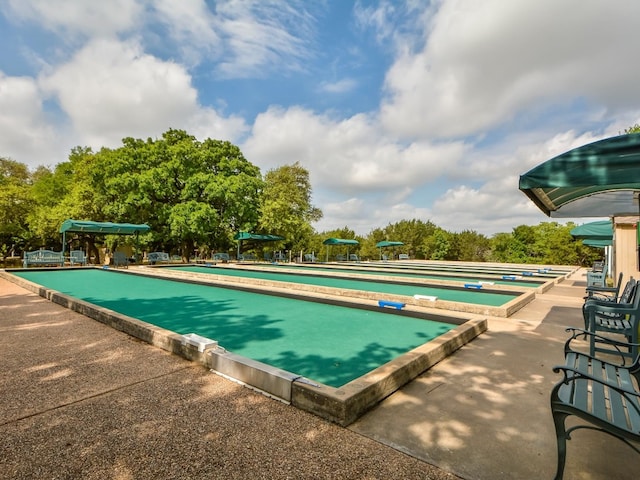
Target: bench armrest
[(600, 297), (577, 374), (581, 332), (605, 306), (595, 288)]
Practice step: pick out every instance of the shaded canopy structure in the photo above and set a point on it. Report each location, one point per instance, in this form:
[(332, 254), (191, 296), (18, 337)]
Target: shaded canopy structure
[(387, 243), (104, 228), (339, 241), (254, 237), (597, 243), (596, 180), (600, 179), (601, 230), (598, 234), (257, 237)]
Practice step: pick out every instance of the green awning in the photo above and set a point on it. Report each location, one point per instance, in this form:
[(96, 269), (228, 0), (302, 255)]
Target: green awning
[(386, 243), (340, 241), (600, 179), (106, 228), (257, 237), (597, 243), (599, 230)]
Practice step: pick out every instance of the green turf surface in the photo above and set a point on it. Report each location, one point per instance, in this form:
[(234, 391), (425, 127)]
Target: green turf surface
[(326, 343), (474, 296), (410, 274)]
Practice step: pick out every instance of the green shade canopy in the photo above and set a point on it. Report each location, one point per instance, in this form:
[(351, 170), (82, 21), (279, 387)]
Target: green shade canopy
[(339, 241), (106, 228), (386, 243), (257, 237), (597, 243), (596, 180), (599, 230)]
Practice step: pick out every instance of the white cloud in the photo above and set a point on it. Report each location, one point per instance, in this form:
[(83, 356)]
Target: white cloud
[(27, 136), (378, 17), (347, 155), (341, 86), (512, 83), (264, 37), (111, 90), (485, 62), (72, 17), (193, 26)]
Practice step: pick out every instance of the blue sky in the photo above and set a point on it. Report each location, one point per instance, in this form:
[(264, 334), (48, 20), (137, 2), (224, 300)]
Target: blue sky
[(399, 110)]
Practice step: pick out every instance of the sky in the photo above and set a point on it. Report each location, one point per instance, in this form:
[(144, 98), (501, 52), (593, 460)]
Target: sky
[(399, 110)]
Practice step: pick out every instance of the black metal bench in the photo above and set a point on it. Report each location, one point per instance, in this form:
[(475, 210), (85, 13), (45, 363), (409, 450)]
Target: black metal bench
[(603, 394)]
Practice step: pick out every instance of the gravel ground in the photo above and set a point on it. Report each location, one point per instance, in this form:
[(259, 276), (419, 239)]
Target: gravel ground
[(81, 400)]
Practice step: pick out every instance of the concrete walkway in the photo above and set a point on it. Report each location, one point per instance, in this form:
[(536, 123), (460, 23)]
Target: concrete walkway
[(81, 400), (484, 413)]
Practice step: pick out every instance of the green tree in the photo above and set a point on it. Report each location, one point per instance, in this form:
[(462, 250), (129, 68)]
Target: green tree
[(501, 247), (66, 192), (439, 245), (368, 249), (471, 246), (286, 208), (634, 129), (16, 204), (192, 194), (413, 234)]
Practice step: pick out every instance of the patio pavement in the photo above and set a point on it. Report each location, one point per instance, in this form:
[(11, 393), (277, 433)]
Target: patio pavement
[(81, 400)]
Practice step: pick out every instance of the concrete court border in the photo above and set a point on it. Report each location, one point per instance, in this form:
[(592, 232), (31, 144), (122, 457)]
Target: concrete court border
[(341, 405), (524, 296), (454, 278)]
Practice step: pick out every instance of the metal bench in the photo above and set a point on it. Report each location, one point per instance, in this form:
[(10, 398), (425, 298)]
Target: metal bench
[(156, 257), (77, 257), (614, 318), (403, 256), (597, 276), (603, 394), (221, 256), (43, 258)]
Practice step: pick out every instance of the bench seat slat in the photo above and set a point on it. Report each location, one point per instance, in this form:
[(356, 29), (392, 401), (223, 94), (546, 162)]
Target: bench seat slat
[(618, 410)]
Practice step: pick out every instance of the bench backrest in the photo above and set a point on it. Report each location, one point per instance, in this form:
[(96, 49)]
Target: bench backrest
[(158, 257), (77, 256), (43, 255), (629, 292)]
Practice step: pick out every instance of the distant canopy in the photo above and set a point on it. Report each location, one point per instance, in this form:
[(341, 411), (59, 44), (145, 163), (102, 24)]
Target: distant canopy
[(598, 230), (386, 243), (257, 237), (106, 228), (597, 243), (340, 241)]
